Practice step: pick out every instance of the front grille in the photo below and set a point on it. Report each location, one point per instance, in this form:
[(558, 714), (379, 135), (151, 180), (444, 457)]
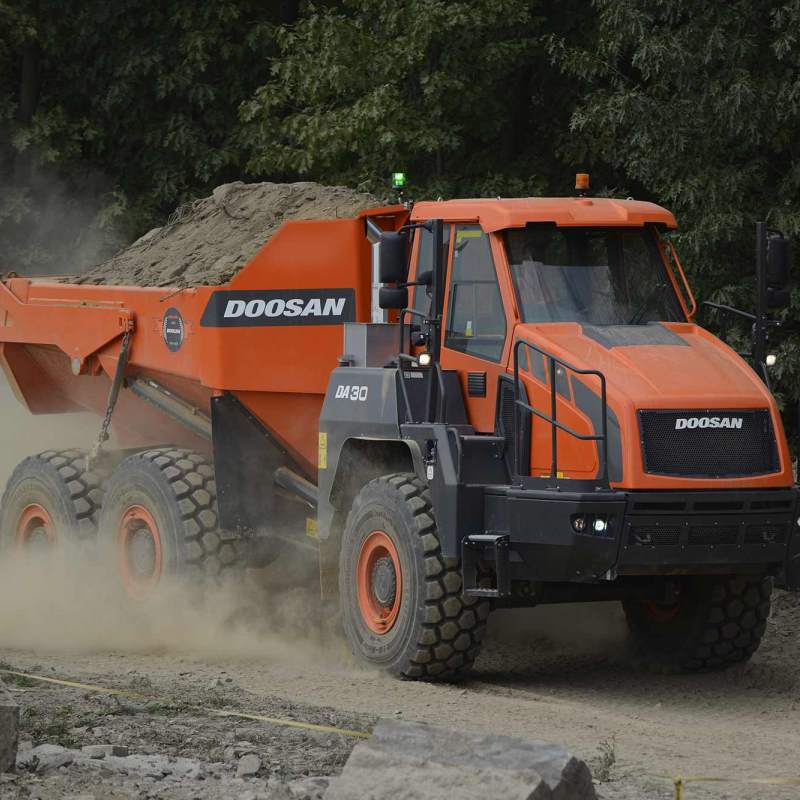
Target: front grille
[(713, 534), (655, 535), (708, 444)]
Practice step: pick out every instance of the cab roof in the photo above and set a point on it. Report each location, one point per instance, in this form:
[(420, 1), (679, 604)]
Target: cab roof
[(495, 215)]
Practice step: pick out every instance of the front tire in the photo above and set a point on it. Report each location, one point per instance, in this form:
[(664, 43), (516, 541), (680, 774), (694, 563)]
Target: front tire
[(402, 605), (159, 521), (714, 623)]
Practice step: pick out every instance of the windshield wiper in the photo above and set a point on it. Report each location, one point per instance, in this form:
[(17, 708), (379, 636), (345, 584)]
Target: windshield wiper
[(655, 294)]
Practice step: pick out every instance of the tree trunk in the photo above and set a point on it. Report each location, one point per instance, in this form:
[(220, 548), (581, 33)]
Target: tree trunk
[(28, 100), (29, 83)]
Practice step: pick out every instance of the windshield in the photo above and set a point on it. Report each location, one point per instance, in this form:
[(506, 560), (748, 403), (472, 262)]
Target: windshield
[(596, 276)]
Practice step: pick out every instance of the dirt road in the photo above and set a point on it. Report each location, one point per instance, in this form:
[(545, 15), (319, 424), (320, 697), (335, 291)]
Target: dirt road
[(530, 683)]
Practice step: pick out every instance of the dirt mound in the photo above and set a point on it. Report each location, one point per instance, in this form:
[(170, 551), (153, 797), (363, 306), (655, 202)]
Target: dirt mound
[(209, 240)]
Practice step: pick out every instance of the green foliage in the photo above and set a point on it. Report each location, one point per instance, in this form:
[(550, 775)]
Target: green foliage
[(115, 112), (459, 95)]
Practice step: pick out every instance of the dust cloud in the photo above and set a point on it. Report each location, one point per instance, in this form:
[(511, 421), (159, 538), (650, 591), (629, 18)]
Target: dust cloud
[(71, 600), (576, 626), (54, 225), (23, 435)]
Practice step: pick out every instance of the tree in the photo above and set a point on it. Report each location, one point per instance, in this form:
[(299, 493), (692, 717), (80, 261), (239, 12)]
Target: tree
[(697, 105), (119, 111), (458, 94)]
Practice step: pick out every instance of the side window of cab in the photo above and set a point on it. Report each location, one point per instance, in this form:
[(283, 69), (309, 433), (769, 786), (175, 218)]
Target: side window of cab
[(422, 294), (476, 320)]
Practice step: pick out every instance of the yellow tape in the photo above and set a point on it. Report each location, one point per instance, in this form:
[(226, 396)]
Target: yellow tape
[(287, 723), (680, 781), (73, 685), (290, 723)]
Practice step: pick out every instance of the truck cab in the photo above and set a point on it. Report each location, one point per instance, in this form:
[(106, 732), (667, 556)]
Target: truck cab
[(593, 285), (568, 430)]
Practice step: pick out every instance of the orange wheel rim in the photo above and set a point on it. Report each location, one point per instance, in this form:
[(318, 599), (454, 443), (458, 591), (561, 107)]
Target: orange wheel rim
[(380, 582), (661, 613), (35, 526), (139, 551)]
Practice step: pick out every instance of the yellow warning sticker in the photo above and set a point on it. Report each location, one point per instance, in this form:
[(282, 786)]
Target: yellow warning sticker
[(322, 461), (311, 528), (468, 233)]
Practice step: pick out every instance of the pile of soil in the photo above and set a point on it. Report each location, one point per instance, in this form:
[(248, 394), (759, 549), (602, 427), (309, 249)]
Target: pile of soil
[(209, 240)]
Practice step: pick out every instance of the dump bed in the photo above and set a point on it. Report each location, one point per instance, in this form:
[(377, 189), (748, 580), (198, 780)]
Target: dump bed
[(271, 337)]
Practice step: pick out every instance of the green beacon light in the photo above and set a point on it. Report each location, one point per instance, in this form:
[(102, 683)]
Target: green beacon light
[(398, 180)]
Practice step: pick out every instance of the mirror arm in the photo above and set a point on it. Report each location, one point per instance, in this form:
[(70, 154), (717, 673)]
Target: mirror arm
[(428, 226), (729, 310)]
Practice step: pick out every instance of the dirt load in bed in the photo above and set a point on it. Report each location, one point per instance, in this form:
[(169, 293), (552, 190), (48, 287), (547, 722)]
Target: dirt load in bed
[(209, 240)]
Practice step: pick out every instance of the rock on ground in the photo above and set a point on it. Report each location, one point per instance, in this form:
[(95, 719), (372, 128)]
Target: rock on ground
[(411, 761), (209, 240), (9, 723)]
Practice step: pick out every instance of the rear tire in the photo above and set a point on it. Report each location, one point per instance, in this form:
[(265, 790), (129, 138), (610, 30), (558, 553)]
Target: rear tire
[(716, 622), (402, 606), (159, 521), (50, 499)]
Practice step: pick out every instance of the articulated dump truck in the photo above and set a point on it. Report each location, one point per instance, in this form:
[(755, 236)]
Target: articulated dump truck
[(467, 405)]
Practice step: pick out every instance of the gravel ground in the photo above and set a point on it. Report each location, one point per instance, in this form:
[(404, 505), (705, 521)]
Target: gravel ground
[(168, 742), (559, 674)]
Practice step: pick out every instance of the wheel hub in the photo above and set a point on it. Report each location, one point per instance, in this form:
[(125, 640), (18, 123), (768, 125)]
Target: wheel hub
[(384, 581), (142, 553), (36, 532), (379, 582), (139, 551)]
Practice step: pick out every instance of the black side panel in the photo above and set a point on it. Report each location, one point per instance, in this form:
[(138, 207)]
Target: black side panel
[(416, 383), (505, 424), (589, 403), (245, 459), (360, 404)]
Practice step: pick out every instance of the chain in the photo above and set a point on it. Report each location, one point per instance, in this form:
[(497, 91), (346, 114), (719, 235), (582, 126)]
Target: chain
[(113, 394)]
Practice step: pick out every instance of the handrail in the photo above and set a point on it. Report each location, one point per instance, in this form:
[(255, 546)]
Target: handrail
[(689, 293), (555, 425)]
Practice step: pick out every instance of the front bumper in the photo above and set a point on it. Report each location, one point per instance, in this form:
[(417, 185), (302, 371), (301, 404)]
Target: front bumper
[(645, 533)]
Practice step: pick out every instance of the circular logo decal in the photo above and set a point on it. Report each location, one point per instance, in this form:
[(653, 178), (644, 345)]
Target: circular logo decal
[(173, 329)]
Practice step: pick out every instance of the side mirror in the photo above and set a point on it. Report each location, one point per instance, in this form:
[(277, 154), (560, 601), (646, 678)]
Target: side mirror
[(392, 258), (779, 258), (393, 297), (425, 278)]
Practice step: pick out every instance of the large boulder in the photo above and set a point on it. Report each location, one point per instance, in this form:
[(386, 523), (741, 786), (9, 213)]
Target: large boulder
[(9, 724), (411, 761)]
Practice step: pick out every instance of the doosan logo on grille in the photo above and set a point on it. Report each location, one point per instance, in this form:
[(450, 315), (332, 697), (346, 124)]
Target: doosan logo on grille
[(708, 422)]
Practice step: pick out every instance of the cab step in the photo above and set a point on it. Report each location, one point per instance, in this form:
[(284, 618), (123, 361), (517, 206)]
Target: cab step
[(480, 552)]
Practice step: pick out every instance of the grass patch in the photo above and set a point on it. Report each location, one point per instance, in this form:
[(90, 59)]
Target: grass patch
[(48, 729), (604, 763)]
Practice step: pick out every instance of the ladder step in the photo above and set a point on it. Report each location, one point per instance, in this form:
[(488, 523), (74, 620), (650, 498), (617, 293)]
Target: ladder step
[(474, 550)]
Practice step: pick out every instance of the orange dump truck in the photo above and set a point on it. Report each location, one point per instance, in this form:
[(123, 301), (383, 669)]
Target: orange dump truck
[(468, 405)]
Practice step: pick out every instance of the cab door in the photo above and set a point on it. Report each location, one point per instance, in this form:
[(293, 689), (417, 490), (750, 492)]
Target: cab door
[(477, 323)]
